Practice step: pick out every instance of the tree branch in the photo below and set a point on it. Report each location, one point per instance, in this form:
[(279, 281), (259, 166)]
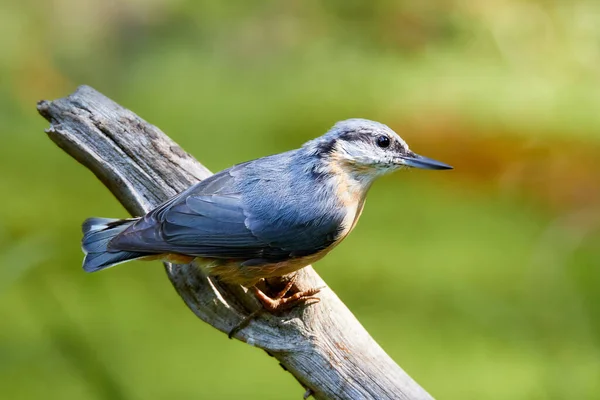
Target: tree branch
[(322, 345)]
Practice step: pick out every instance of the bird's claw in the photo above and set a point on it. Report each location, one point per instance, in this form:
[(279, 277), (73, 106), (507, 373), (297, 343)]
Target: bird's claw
[(279, 302)]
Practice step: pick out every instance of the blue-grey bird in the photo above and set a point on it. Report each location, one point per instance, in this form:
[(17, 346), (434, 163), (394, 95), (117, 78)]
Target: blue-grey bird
[(262, 218)]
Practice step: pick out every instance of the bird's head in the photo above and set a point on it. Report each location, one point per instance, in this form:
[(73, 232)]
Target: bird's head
[(369, 149)]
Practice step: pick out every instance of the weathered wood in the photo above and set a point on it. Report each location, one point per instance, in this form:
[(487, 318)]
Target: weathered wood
[(322, 345)]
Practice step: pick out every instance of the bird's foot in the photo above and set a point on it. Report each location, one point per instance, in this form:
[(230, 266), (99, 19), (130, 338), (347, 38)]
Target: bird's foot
[(279, 302)]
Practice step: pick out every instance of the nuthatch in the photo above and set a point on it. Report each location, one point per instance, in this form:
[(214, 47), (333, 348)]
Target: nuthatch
[(263, 218)]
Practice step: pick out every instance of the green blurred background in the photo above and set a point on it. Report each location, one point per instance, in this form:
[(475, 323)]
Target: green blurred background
[(482, 282)]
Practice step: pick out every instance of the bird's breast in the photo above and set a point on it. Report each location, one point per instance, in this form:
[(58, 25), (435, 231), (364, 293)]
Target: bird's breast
[(352, 214), (350, 194)]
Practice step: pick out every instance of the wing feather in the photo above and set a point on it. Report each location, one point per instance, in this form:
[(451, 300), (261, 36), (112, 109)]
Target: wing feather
[(213, 219)]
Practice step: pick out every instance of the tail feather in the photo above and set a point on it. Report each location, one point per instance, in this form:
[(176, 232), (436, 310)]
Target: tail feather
[(97, 233)]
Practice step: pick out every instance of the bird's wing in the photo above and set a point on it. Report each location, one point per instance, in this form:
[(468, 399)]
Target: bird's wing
[(212, 220)]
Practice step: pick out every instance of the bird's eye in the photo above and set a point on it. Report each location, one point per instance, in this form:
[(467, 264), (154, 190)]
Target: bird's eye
[(383, 141)]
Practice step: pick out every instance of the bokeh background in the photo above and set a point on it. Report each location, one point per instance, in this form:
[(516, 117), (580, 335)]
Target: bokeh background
[(481, 282)]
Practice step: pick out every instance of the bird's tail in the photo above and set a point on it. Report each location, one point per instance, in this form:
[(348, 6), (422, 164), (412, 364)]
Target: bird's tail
[(97, 233)]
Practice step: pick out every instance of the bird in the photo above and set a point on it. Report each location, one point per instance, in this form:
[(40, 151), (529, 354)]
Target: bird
[(263, 218)]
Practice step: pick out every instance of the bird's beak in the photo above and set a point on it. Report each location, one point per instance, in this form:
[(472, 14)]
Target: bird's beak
[(416, 161)]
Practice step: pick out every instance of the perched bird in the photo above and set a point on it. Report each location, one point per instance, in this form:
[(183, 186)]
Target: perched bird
[(262, 218)]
